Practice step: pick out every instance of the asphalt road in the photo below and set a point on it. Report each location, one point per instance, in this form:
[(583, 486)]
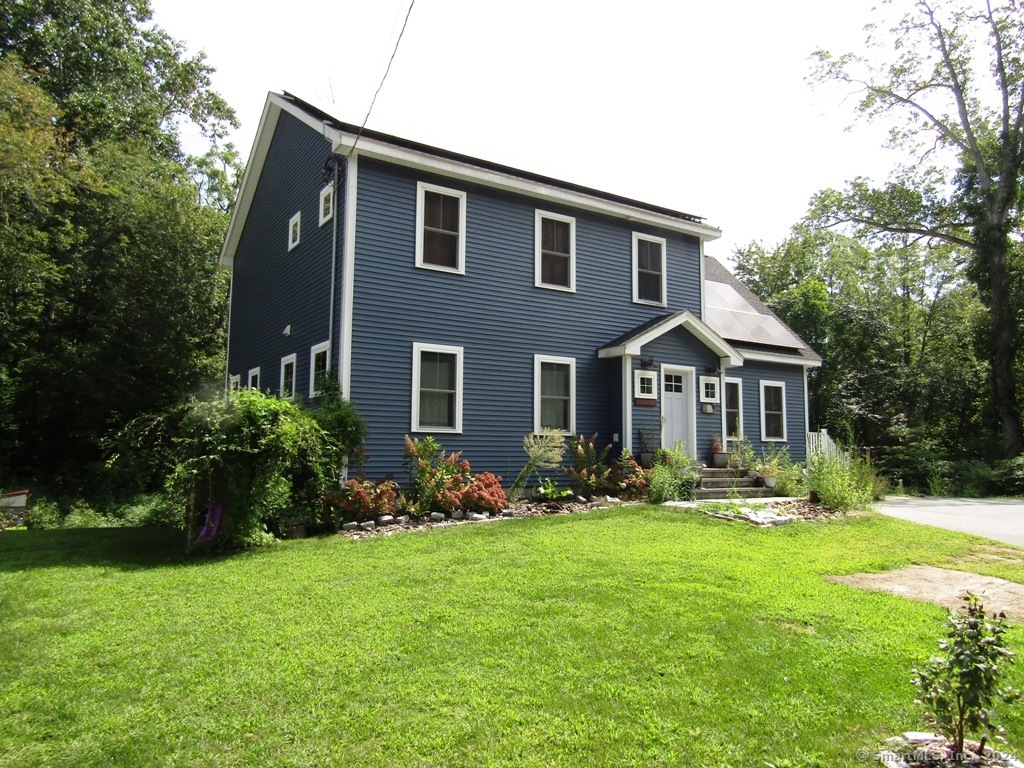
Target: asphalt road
[(999, 519)]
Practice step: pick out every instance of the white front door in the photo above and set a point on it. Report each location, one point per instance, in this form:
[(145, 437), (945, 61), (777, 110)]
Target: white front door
[(678, 420)]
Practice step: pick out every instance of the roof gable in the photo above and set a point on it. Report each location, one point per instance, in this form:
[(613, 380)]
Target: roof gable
[(631, 343)]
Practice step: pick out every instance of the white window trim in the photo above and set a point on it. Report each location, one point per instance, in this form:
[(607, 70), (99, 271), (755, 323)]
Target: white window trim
[(248, 379), (717, 397), (571, 362), (313, 351), (637, 237), (235, 382), (641, 373), (421, 188), (764, 436), (295, 375), (292, 222), (739, 394), (417, 349), (326, 192), (539, 217)]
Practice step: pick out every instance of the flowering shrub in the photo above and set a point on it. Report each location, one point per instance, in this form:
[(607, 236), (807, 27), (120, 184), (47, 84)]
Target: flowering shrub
[(592, 475), (633, 481), (484, 494), (363, 499), (436, 480)]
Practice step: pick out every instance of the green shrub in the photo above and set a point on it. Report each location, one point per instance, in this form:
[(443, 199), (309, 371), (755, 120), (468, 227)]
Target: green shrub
[(673, 476), (44, 514), (1009, 476), (792, 480), (543, 451), (974, 478), (839, 483), (958, 689), (436, 479)]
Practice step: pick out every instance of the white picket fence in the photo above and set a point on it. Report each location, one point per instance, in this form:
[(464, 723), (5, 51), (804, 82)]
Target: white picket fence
[(822, 442)]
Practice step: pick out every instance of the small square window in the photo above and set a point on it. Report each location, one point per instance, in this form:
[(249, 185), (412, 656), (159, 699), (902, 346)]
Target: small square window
[(708, 389), (326, 204), (440, 228), (555, 251), (294, 230), (645, 385)]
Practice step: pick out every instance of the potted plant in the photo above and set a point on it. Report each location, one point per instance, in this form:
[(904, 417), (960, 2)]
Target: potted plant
[(646, 452), (719, 456), (768, 467)]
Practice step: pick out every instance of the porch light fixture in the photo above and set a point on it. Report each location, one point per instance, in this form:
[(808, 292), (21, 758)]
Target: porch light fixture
[(712, 369), (287, 331), (647, 363)]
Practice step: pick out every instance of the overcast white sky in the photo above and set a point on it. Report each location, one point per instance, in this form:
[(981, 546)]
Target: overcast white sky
[(701, 107)]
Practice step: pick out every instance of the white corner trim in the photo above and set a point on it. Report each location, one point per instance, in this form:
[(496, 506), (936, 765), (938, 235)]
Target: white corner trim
[(348, 273)]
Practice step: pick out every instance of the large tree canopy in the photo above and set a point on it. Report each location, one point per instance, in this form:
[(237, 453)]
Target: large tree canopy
[(112, 301), (948, 78)]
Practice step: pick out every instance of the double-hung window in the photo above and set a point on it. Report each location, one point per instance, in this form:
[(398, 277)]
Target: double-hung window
[(773, 410), (254, 378), (294, 230), (287, 391), (437, 388), (326, 204), (648, 269), (554, 392), (440, 228), (319, 366), (555, 251), (733, 408)]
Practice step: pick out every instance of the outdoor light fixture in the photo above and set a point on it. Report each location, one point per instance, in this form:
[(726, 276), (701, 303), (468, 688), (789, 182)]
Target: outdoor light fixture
[(647, 363), (287, 331), (712, 369)]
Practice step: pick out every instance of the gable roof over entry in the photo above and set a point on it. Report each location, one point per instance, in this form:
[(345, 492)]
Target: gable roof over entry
[(632, 342)]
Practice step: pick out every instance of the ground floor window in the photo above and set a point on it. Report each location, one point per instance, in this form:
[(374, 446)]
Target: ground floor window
[(733, 409), (288, 377), (254, 378), (319, 366), (554, 386), (437, 388), (773, 410)]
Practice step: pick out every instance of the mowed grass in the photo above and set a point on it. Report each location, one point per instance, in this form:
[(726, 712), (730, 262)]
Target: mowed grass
[(636, 636)]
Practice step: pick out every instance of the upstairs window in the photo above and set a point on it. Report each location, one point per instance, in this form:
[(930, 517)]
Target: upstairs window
[(773, 411), (555, 258), (254, 378), (326, 204), (554, 383), (319, 367), (287, 391), (294, 230), (437, 388), (440, 228), (648, 269)]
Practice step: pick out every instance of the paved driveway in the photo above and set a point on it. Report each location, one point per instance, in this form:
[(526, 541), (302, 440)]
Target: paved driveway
[(999, 519)]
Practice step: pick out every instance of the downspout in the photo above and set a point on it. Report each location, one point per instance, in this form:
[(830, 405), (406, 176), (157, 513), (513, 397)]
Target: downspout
[(227, 341)]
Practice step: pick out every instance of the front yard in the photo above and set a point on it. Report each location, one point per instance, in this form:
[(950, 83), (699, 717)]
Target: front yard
[(631, 636)]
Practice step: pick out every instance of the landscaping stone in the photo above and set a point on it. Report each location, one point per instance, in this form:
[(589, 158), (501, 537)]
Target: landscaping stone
[(402, 519), (350, 527), (919, 737), (367, 525), (476, 517), (385, 520), (458, 514), (508, 512), (437, 517)]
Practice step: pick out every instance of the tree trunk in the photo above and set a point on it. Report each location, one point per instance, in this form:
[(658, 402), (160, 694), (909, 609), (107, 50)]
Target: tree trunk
[(992, 250)]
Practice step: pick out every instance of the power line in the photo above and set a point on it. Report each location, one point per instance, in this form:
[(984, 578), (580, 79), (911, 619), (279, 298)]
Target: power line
[(386, 71)]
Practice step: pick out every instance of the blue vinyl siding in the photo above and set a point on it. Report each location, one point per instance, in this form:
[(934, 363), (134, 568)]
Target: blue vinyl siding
[(494, 312), (752, 375), (273, 287)]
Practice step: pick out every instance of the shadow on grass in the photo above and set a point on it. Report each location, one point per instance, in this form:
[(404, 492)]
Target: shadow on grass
[(123, 548)]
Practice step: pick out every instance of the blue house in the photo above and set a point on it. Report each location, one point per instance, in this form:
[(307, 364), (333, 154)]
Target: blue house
[(477, 303)]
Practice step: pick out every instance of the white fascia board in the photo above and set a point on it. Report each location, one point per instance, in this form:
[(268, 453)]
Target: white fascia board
[(773, 357), (691, 323), (510, 183)]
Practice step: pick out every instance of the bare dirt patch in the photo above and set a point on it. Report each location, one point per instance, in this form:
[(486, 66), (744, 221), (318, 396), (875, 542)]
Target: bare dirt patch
[(943, 586)]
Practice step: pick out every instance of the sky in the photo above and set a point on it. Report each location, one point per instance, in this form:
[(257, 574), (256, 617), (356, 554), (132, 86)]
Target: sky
[(702, 107)]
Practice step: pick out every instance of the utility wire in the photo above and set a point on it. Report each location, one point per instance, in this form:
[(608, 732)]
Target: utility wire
[(386, 71)]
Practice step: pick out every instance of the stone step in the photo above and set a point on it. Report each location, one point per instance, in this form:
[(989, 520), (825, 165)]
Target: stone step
[(707, 494), (711, 472), (728, 482)]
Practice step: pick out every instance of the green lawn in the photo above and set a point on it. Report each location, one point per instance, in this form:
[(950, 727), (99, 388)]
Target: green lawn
[(637, 636)]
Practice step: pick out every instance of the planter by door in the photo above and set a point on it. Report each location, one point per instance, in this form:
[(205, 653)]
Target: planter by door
[(646, 459), (720, 459), (769, 481)]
